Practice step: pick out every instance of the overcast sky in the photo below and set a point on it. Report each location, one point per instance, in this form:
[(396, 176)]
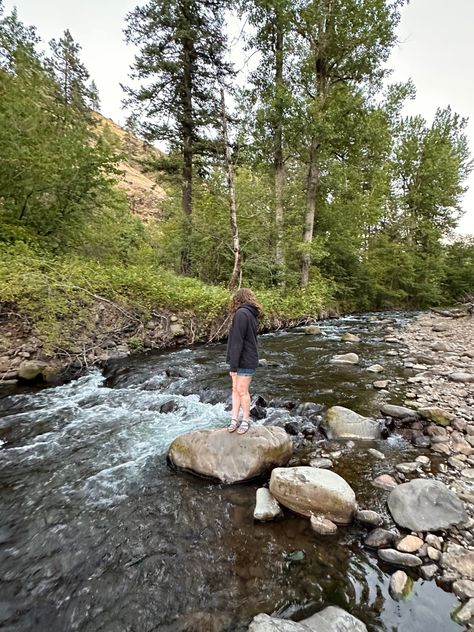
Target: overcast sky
[(436, 50)]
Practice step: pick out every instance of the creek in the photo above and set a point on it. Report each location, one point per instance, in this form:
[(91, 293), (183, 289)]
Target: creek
[(99, 534)]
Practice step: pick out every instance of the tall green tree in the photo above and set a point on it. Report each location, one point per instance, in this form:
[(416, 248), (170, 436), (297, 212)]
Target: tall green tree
[(341, 43), (179, 67)]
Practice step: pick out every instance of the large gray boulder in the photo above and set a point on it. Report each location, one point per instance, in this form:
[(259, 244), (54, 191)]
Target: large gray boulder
[(230, 457), (310, 490), (331, 619), (344, 423), (426, 505)]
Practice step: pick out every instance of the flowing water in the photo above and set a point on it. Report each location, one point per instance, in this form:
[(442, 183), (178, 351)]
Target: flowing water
[(99, 534)]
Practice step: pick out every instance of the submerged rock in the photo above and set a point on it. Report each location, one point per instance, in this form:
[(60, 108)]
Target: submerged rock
[(426, 505), (312, 330), (348, 337), (346, 424), (345, 358), (310, 490), (230, 457), (323, 526), (266, 508), (331, 619)]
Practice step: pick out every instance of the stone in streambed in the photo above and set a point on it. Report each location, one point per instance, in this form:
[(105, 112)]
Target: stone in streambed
[(385, 481), (391, 556), (399, 412), (310, 490), (400, 585), (380, 538), (323, 526), (331, 619), (375, 368), (409, 544), (426, 505), (347, 337), (312, 330), (460, 376), (321, 462), (464, 589), (436, 415), (266, 507), (466, 613), (344, 423), (459, 560), (345, 358), (369, 518), (230, 457), (380, 384)]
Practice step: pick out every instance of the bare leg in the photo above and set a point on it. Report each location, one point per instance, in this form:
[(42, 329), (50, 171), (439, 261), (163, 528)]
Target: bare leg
[(235, 397), (243, 383)]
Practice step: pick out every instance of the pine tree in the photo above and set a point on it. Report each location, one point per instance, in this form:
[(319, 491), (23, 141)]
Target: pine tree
[(179, 66)]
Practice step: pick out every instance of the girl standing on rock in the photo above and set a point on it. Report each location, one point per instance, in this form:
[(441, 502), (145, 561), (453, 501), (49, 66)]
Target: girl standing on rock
[(242, 354)]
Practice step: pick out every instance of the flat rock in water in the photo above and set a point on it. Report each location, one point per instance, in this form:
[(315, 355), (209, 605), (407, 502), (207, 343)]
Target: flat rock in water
[(331, 619), (344, 423), (323, 526), (347, 337), (230, 457), (399, 412), (380, 538), (266, 507), (369, 517), (399, 559), (425, 505), (321, 462), (345, 358), (375, 368), (460, 376), (385, 481), (376, 453), (310, 490)]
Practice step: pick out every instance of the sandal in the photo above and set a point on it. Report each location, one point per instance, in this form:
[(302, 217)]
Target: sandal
[(244, 426), (234, 424)]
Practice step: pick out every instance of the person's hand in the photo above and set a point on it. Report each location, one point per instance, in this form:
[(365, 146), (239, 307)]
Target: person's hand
[(232, 373)]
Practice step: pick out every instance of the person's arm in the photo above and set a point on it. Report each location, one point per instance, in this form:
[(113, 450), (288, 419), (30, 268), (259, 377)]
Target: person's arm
[(239, 329)]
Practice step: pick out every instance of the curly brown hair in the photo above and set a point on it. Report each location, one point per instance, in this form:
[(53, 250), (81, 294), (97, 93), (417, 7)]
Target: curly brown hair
[(243, 296)]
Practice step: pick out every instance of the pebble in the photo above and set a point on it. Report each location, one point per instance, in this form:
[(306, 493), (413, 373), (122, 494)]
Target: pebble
[(321, 463), (409, 544), (397, 558), (385, 481), (376, 453), (428, 571), (323, 526), (379, 538), (399, 583), (369, 517)]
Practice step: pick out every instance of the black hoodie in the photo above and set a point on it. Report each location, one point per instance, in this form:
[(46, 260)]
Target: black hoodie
[(242, 344)]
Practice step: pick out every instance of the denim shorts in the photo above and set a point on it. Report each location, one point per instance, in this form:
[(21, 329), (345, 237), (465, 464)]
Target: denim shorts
[(247, 372)]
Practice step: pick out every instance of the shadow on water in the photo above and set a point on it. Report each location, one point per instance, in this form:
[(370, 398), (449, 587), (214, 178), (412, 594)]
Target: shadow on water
[(98, 534)]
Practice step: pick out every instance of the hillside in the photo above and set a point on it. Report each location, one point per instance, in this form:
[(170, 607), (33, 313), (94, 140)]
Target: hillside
[(143, 190)]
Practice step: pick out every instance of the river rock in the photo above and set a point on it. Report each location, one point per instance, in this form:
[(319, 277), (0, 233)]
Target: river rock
[(369, 517), (379, 538), (459, 560), (331, 619), (312, 330), (460, 376), (466, 613), (428, 571), (440, 346), (380, 384), (385, 481), (425, 505), (323, 526), (376, 453), (321, 462), (311, 490), (375, 368), (347, 337), (399, 584), (399, 412), (345, 358), (464, 589), (436, 415), (344, 423), (31, 369), (407, 468), (266, 507), (399, 559), (409, 544), (230, 457)]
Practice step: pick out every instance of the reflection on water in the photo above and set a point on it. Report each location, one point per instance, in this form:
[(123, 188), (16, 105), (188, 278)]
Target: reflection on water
[(98, 534)]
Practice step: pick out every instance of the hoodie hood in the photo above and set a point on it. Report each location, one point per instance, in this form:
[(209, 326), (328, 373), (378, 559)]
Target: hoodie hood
[(251, 308)]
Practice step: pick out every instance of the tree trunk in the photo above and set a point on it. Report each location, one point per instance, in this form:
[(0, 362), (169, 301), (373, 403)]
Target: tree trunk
[(311, 188), (187, 139), (235, 277), (278, 154)]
